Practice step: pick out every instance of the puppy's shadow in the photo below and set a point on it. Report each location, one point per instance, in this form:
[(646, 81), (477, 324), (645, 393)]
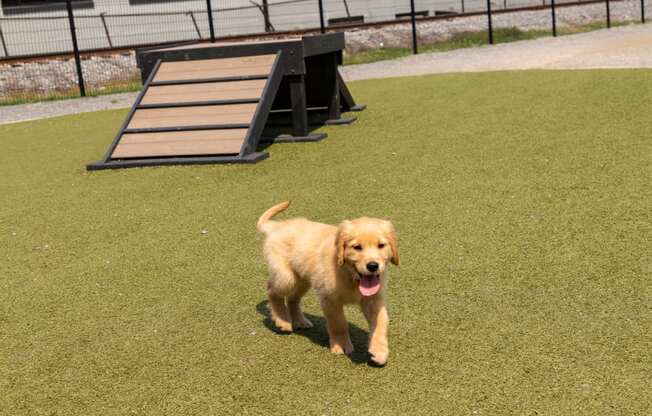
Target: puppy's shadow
[(318, 334)]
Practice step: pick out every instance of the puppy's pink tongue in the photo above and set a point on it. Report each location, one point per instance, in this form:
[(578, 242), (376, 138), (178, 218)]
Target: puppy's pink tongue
[(369, 285)]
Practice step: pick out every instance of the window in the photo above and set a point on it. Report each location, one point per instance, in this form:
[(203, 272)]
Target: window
[(35, 6), (139, 2)]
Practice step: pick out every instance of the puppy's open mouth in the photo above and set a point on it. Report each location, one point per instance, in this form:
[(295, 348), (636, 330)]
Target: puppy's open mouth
[(369, 284)]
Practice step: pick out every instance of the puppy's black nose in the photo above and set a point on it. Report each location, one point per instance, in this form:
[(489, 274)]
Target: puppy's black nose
[(372, 266)]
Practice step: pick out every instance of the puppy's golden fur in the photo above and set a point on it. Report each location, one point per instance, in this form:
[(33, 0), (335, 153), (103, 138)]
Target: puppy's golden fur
[(346, 264)]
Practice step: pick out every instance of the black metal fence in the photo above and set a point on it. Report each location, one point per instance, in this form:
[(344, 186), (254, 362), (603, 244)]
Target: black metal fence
[(88, 29)]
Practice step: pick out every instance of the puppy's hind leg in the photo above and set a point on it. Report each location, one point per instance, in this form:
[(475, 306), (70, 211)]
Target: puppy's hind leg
[(280, 313), (282, 282), (299, 320)]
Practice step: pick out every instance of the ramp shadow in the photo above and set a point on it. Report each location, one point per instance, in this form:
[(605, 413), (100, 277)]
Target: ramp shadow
[(318, 334)]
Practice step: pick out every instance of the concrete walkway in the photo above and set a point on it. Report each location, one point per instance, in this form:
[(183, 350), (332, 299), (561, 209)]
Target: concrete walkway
[(46, 109), (621, 47)]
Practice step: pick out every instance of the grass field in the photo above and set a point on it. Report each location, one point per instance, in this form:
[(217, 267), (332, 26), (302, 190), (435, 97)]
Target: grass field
[(522, 202)]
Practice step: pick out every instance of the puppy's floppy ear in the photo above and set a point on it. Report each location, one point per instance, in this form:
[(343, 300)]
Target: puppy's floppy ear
[(340, 240), (391, 237)]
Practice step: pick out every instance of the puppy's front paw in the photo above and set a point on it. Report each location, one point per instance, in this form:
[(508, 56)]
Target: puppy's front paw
[(379, 355), (339, 349)]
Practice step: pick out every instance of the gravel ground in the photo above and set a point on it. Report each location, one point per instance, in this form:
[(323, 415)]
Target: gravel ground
[(61, 74), (621, 47)]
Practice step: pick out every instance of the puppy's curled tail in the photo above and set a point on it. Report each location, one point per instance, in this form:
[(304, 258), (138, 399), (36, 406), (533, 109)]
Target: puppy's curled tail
[(264, 222)]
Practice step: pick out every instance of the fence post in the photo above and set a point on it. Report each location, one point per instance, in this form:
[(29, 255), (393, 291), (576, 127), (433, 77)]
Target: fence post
[(554, 18), (106, 29), (608, 14), (4, 45), (321, 16), (490, 28), (415, 49), (75, 48), (642, 11), (211, 28)]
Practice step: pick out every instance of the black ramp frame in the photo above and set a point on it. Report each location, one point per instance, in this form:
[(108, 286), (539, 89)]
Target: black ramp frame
[(264, 106)]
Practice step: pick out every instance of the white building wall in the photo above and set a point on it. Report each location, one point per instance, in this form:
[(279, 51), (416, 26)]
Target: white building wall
[(28, 33)]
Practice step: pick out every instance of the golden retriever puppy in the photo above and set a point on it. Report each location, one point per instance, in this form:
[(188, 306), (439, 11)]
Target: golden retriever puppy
[(345, 264)]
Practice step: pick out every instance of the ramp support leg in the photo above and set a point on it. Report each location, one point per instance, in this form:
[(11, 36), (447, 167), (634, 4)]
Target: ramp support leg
[(334, 103), (299, 114), (299, 110), (348, 103), (334, 111)]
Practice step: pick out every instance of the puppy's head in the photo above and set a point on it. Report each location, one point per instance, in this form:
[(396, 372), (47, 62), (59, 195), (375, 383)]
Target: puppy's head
[(367, 245)]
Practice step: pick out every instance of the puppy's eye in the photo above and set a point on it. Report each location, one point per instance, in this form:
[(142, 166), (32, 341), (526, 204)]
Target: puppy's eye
[(357, 247), (381, 245)]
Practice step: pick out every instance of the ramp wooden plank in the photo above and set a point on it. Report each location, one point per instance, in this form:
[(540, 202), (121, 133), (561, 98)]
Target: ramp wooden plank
[(184, 143), (214, 68), (204, 92), (192, 116), (218, 44), (229, 134), (174, 74)]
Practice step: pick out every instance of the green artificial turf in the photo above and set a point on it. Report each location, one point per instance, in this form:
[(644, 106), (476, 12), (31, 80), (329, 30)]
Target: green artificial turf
[(522, 202)]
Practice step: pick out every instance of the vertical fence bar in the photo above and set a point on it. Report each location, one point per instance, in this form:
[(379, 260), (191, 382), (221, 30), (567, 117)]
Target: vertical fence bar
[(462, 6), (106, 29), (4, 45), (608, 14), (268, 24), (415, 48), (346, 8), (642, 11), (490, 28), (211, 28), (554, 18), (75, 48), (321, 16)]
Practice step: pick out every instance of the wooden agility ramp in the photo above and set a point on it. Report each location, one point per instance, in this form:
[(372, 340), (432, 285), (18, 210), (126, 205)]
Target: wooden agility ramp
[(204, 111), (204, 107)]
